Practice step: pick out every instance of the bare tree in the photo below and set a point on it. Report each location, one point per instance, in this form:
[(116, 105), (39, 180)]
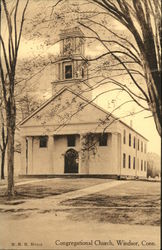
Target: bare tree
[(3, 137), (139, 49), (135, 53), (142, 18), (8, 63)]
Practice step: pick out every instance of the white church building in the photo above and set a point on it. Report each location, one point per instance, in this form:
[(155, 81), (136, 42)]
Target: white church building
[(70, 135)]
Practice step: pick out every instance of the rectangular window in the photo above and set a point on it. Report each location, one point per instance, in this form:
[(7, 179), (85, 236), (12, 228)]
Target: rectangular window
[(141, 165), (141, 146), (145, 166), (43, 141), (138, 144), (71, 140), (68, 71), (124, 137), (134, 163), (124, 160), (129, 139), (129, 161), (103, 139), (134, 142)]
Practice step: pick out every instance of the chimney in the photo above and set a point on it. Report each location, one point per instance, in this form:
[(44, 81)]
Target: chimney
[(131, 123)]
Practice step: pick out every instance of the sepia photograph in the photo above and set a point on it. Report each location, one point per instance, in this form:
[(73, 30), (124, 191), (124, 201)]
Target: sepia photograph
[(80, 124)]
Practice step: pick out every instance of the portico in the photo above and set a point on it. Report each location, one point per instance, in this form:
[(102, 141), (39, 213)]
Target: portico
[(51, 154)]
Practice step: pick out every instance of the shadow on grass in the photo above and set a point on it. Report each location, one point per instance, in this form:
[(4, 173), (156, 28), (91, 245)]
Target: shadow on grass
[(102, 200), (31, 192), (126, 209), (140, 216)]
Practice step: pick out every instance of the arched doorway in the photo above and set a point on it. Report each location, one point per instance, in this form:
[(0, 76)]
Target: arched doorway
[(71, 161)]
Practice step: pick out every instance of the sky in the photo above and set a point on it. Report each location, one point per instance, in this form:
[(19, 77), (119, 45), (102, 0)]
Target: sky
[(32, 46)]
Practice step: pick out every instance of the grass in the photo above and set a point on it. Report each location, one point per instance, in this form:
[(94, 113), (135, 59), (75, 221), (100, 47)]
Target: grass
[(134, 203), (46, 188), (140, 216)]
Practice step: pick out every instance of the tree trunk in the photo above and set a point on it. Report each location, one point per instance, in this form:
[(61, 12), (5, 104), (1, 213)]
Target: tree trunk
[(2, 164), (10, 167), (11, 119)]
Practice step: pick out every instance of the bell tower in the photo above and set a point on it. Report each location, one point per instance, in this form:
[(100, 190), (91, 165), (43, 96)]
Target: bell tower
[(71, 66)]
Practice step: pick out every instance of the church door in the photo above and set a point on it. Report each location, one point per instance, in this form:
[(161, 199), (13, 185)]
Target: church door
[(71, 161)]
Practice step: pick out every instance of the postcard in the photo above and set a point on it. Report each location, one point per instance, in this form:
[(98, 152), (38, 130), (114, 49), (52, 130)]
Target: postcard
[(80, 108)]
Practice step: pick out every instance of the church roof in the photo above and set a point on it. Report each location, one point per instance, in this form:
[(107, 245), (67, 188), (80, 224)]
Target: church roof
[(71, 32), (90, 102)]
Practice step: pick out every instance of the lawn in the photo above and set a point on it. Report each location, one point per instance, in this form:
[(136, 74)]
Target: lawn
[(133, 202), (136, 202), (45, 188)]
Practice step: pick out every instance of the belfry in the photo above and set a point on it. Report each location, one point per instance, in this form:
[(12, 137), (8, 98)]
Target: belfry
[(71, 66)]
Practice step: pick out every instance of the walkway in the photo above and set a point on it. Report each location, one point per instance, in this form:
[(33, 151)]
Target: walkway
[(52, 202), (90, 190)]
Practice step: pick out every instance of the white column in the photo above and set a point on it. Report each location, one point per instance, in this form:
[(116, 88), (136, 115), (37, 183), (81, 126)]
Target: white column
[(51, 152), (23, 155), (30, 155)]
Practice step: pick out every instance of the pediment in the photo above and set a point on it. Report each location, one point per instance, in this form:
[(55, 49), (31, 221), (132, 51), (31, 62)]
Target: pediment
[(66, 108)]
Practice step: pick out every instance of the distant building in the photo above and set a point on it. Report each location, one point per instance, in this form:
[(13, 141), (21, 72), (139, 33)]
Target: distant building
[(153, 165), (69, 133)]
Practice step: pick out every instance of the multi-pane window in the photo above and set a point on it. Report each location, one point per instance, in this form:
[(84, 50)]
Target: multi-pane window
[(134, 163), (71, 140), (103, 139), (68, 71), (124, 137), (141, 165), (129, 161), (141, 146), (129, 139), (134, 142), (43, 141), (124, 160)]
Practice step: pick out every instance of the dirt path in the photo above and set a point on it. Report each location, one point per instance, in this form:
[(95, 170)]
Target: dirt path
[(53, 231)]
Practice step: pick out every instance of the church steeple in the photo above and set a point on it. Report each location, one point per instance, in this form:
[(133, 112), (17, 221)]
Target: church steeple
[(71, 66)]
